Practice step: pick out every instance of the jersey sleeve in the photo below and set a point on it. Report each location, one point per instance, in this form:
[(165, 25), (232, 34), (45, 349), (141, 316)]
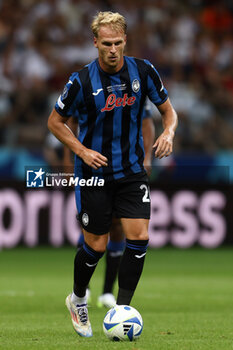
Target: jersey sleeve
[(66, 104), (157, 93), (146, 112)]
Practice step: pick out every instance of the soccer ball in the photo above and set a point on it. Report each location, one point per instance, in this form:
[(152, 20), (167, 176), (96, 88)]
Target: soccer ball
[(123, 322)]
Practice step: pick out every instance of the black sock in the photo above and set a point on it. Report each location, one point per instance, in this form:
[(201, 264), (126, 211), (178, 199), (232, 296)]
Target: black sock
[(85, 262), (112, 266), (130, 269), (113, 257)]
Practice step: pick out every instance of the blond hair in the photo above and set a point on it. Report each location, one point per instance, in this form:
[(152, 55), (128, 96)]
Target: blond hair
[(114, 19)]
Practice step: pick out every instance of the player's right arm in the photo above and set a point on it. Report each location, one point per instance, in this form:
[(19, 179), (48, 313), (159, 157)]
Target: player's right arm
[(68, 159), (57, 125)]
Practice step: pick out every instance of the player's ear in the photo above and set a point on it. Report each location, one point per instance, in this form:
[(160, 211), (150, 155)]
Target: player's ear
[(95, 41), (125, 39)]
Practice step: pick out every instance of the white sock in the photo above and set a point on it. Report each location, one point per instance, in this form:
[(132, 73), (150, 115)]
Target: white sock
[(78, 301)]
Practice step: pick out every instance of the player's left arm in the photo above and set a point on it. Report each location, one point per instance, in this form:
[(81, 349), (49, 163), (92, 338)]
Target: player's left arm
[(164, 143), (148, 133)]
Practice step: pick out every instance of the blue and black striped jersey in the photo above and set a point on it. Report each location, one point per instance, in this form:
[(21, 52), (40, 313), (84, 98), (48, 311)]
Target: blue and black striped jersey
[(109, 108)]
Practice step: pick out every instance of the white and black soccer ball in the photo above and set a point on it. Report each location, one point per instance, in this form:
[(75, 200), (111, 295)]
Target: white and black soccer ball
[(123, 322)]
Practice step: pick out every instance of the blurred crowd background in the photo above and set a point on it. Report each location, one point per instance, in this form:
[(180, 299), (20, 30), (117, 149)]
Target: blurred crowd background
[(190, 42)]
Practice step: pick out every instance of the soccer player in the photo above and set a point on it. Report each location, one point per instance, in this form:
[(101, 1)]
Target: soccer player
[(116, 244), (108, 96)]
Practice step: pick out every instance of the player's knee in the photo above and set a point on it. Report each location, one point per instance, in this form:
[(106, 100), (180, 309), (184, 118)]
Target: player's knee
[(96, 242), (100, 248), (98, 245), (138, 236), (142, 236)]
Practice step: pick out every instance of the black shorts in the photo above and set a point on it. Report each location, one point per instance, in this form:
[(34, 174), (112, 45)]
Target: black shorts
[(126, 198)]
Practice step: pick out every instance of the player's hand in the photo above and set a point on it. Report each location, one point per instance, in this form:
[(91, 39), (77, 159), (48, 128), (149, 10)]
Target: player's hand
[(94, 159), (164, 145)]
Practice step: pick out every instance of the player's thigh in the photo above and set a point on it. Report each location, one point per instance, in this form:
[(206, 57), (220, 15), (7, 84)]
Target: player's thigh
[(135, 229), (94, 206)]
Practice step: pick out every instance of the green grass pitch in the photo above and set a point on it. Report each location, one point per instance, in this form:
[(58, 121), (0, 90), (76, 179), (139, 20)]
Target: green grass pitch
[(185, 298)]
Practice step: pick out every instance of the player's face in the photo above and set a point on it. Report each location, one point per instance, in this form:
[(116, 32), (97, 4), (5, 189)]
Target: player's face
[(110, 44)]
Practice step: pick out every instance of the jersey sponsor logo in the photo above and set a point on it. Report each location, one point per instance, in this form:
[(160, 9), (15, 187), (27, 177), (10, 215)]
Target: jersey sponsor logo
[(97, 92), (113, 101), (135, 85)]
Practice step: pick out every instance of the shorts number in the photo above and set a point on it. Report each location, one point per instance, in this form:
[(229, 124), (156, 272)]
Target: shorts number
[(146, 197)]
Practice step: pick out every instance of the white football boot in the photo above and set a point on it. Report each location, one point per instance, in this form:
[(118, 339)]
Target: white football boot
[(79, 318), (108, 300)]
